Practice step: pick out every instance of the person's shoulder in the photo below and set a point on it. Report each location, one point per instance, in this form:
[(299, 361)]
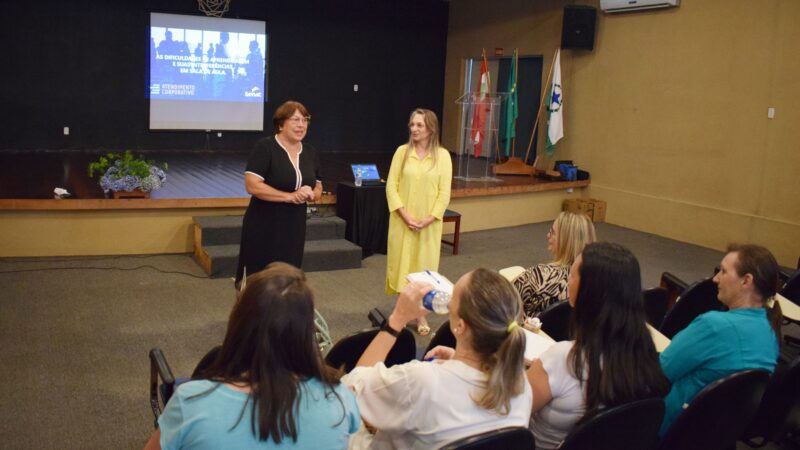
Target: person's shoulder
[(266, 143), (443, 151), (401, 149), (195, 387), (558, 350)]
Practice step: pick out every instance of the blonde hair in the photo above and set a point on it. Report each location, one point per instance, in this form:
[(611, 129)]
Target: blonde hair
[(575, 231), (432, 124), (489, 305)]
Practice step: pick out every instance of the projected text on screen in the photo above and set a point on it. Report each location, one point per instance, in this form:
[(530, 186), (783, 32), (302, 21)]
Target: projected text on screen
[(201, 68)]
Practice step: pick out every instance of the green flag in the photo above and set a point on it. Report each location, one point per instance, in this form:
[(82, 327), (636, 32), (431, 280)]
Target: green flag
[(512, 110)]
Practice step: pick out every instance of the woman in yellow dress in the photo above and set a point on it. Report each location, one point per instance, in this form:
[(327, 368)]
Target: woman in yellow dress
[(418, 192)]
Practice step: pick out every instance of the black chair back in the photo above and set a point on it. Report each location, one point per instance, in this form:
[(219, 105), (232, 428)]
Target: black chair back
[(674, 286), (655, 305), (780, 404), (443, 336), (631, 426), (160, 371), (555, 320), (718, 414), (699, 298), (791, 289), (348, 350), (509, 438)]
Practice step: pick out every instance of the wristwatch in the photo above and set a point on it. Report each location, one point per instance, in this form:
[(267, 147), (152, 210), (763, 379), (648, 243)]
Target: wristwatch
[(385, 327)]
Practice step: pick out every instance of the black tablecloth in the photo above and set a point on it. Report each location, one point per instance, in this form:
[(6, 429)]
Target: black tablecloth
[(367, 214)]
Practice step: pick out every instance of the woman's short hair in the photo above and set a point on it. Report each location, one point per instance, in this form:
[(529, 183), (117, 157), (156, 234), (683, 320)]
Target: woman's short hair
[(613, 350), (575, 231), (762, 266), (285, 111), (276, 308), (489, 305)]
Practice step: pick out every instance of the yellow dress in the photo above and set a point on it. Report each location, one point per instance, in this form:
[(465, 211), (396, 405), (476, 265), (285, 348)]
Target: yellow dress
[(423, 190)]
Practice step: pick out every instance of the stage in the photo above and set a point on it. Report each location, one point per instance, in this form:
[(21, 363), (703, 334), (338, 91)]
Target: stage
[(33, 223), (200, 178)]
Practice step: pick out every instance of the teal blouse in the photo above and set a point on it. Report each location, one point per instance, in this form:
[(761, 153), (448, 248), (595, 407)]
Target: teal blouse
[(714, 345)]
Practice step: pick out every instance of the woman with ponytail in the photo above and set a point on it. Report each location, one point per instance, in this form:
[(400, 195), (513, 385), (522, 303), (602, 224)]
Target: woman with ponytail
[(719, 343), (612, 359), (476, 387)]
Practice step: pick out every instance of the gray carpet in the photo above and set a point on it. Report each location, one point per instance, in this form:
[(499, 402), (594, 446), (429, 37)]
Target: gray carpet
[(75, 339)]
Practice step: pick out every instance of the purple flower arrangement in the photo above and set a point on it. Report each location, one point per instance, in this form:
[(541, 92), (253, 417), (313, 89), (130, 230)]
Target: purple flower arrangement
[(124, 172)]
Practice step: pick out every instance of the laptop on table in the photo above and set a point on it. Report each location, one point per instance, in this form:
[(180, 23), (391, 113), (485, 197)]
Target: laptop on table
[(368, 173)]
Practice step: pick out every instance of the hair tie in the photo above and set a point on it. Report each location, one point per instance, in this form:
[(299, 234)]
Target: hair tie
[(771, 302), (511, 326)]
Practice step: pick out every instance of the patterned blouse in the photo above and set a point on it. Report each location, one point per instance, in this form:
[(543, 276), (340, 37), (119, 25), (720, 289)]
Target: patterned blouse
[(540, 286)]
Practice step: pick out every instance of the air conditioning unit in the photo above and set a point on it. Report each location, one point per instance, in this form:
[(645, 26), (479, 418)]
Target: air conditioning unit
[(617, 6)]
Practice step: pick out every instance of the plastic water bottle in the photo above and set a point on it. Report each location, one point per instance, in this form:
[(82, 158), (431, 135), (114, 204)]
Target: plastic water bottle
[(437, 301), (358, 180)]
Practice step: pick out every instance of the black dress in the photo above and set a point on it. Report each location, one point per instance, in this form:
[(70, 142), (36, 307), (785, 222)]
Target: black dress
[(276, 231)]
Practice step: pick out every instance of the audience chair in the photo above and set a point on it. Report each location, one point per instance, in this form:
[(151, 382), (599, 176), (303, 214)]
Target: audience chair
[(791, 289), (160, 392), (452, 216), (779, 411), (163, 383), (655, 305), (674, 286), (508, 438), (443, 336), (697, 299), (346, 352), (718, 414), (555, 320), (631, 426)]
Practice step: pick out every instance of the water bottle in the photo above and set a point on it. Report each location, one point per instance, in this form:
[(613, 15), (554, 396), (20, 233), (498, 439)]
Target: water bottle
[(437, 301), (358, 180)]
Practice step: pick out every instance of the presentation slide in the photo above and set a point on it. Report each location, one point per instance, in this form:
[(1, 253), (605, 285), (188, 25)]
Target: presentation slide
[(207, 73)]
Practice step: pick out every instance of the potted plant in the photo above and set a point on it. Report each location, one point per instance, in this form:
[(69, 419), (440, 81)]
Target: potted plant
[(128, 176)]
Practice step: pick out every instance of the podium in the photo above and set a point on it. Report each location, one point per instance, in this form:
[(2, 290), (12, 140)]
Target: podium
[(479, 139)]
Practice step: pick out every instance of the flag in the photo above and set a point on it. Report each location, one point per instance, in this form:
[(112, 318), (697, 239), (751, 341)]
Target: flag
[(478, 132), (512, 110), (555, 123)]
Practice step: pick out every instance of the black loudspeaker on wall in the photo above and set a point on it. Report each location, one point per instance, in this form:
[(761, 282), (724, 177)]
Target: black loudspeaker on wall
[(577, 31)]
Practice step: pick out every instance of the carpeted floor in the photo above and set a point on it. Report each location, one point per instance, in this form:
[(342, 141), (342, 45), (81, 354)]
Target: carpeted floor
[(75, 332)]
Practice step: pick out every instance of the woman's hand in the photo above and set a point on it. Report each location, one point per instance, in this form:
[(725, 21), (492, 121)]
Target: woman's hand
[(426, 221), (309, 193), (409, 305), (440, 352), (297, 197), (412, 223)]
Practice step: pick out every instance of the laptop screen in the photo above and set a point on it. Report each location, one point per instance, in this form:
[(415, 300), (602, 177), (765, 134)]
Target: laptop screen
[(366, 171)]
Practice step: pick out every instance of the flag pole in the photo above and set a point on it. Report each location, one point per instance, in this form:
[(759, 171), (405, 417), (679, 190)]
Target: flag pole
[(516, 87), (539, 111)]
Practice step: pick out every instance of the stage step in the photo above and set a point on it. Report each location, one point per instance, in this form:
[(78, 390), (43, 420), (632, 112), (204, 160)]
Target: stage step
[(216, 246)]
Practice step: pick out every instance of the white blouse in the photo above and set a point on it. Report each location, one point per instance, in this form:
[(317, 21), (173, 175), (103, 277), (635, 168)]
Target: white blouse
[(423, 405), (552, 423)]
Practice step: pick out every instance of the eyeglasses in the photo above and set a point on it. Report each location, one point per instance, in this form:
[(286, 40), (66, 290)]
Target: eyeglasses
[(302, 120)]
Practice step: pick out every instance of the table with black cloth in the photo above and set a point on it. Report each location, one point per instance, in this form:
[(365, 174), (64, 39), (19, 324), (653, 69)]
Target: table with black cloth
[(366, 212)]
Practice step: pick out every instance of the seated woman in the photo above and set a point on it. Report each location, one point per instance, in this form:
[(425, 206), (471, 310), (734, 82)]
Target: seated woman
[(260, 392), (476, 387), (612, 360), (719, 343), (544, 284)]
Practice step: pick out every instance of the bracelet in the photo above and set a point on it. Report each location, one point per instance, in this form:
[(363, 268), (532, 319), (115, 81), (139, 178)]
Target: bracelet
[(385, 327)]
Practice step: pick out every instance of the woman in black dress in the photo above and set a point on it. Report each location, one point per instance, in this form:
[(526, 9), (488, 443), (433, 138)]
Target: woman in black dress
[(282, 175)]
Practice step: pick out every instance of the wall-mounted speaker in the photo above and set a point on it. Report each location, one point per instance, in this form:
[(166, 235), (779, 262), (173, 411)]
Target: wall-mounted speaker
[(577, 31)]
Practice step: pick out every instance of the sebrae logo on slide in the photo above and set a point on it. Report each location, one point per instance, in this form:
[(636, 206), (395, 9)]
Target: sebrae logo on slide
[(255, 92)]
